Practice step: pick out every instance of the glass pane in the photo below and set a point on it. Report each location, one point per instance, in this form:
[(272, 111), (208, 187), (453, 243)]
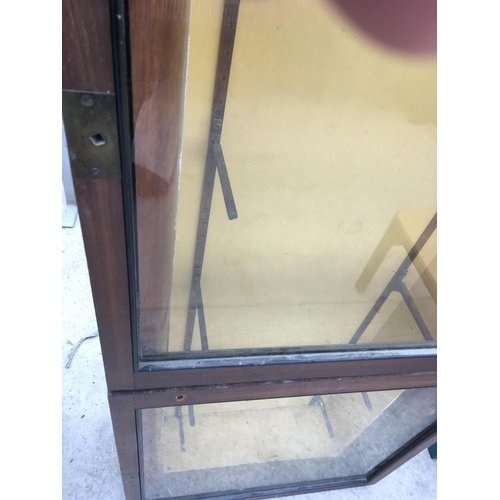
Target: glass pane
[(214, 448), (328, 135)]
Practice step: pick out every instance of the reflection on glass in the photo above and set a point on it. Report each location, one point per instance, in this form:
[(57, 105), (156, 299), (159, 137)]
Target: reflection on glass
[(328, 140), (230, 446)]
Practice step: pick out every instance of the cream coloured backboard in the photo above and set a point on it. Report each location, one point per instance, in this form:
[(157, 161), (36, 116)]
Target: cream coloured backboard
[(327, 136)]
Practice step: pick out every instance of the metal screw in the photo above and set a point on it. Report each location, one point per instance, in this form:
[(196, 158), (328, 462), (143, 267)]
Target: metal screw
[(96, 172), (87, 100)]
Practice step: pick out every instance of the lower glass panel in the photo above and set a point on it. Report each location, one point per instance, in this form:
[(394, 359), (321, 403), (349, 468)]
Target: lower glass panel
[(215, 448)]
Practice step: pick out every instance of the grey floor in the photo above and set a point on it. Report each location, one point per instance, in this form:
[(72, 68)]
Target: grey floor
[(90, 463)]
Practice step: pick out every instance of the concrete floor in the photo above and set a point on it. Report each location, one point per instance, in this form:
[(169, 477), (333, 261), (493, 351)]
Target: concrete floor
[(90, 463)]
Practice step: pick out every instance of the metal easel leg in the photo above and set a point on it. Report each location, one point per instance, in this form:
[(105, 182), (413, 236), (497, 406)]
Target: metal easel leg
[(214, 162), (318, 401), (396, 285)]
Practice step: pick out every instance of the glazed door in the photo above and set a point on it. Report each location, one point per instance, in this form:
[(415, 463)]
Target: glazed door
[(285, 180)]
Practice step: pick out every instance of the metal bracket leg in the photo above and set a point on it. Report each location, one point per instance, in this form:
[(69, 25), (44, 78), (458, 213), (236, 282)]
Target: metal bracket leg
[(214, 162), (224, 181), (410, 303), (367, 401), (178, 415), (396, 285), (318, 401)]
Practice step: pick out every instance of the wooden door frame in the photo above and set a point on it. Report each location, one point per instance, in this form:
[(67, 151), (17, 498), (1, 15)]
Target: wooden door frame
[(87, 68)]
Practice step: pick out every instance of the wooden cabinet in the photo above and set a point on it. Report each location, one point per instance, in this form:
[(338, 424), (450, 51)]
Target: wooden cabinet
[(236, 166)]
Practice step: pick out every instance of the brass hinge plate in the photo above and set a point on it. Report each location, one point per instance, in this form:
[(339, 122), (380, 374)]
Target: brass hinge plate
[(91, 134)]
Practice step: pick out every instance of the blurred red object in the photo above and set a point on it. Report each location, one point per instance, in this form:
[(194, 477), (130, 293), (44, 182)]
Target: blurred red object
[(405, 25)]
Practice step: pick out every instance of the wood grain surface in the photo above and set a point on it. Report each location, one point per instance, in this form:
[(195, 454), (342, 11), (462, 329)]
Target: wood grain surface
[(125, 430), (87, 59), (101, 216), (158, 38)]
